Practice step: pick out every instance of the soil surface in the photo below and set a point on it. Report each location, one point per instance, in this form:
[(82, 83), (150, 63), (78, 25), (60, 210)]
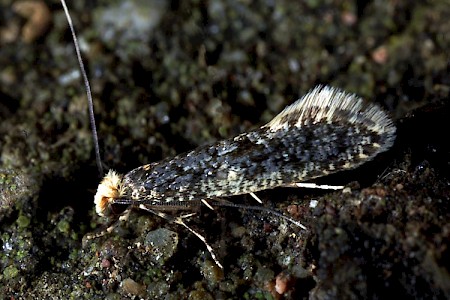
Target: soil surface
[(168, 77)]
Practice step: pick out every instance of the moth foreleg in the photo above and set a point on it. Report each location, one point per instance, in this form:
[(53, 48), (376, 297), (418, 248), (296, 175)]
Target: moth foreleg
[(179, 220), (111, 227)]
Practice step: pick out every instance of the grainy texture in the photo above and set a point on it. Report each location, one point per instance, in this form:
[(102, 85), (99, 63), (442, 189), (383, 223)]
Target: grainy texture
[(324, 132), (154, 99)]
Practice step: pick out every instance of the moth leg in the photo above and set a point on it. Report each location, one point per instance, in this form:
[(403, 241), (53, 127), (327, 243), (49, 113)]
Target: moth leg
[(164, 215), (202, 238), (207, 204), (111, 227), (96, 235), (224, 203), (256, 197), (309, 185), (124, 216), (179, 220), (186, 216)]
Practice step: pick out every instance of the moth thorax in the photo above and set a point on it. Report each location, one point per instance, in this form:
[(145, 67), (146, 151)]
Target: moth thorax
[(109, 189)]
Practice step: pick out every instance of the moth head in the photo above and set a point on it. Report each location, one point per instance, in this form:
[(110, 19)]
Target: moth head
[(108, 190)]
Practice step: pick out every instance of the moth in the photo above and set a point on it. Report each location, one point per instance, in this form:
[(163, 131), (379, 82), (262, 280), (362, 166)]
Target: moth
[(326, 131)]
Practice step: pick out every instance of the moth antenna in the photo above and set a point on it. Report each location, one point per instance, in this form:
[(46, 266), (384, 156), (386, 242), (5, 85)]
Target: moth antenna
[(88, 89)]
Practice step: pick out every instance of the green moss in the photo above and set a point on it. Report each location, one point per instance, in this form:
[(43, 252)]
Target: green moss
[(74, 236), (21, 254), (23, 221), (63, 226), (10, 272), (260, 295)]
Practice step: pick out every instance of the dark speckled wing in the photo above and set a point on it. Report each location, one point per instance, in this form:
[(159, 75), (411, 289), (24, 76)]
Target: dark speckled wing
[(324, 132), (255, 161)]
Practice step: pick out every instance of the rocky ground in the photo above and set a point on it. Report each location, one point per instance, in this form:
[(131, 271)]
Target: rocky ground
[(169, 77)]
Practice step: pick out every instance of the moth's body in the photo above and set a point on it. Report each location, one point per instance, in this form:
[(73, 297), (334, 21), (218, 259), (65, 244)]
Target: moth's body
[(324, 132)]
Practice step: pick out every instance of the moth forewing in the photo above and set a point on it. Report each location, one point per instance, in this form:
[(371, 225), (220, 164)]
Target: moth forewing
[(324, 132)]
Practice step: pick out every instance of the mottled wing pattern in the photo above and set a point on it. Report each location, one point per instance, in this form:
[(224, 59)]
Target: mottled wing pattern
[(324, 132)]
